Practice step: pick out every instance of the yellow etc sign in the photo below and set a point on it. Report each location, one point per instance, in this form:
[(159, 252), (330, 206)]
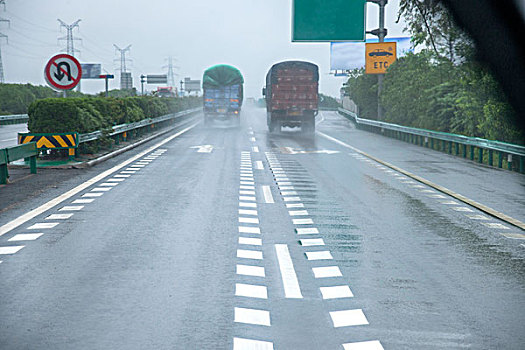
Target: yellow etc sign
[(379, 56)]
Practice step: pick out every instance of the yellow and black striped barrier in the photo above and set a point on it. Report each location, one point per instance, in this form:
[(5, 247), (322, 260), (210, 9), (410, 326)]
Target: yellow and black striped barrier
[(45, 141)]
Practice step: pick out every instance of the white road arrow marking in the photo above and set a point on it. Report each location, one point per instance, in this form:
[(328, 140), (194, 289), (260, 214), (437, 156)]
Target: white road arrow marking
[(290, 150), (204, 148)]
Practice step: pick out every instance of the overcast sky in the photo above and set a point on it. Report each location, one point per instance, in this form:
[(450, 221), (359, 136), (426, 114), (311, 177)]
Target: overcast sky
[(249, 34)]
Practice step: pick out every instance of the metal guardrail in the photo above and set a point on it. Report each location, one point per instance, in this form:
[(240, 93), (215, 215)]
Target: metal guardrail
[(13, 119), (440, 141), (10, 154), (125, 128)]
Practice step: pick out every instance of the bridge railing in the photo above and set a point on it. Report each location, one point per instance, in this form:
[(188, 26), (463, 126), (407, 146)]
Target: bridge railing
[(13, 119), (482, 150)]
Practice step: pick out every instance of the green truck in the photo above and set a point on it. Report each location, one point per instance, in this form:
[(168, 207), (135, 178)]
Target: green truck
[(222, 87)]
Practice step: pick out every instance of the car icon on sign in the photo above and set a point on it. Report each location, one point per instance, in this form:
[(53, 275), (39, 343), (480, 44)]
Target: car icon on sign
[(380, 52)]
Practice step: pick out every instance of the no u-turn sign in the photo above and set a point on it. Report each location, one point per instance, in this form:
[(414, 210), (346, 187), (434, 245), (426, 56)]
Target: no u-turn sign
[(63, 72)]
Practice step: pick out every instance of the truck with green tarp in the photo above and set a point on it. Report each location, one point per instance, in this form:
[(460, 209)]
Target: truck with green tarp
[(222, 87)]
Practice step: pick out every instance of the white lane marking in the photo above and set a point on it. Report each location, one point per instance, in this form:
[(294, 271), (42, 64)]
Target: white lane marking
[(284, 183), (311, 242), (43, 225), (251, 291), (346, 318), (249, 270), (248, 220), (101, 189), (247, 183), (244, 187), (307, 231), (246, 192), (427, 191), (302, 221), (286, 188), (247, 205), (464, 209), (439, 196), (10, 250), (289, 193), (71, 208), (246, 173), (326, 271), (449, 203), (94, 194), (133, 169), (203, 148), (137, 166), (127, 172), (513, 235), (267, 193), (288, 275), (244, 229), (247, 212), (247, 198), (294, 205), (252, 316), (292, 199), (122, 175), (250, 241), (252, 139), (25, 237), (59, 216), (477, 217), (336, 292), (50, 204), (259, 165), (322, 255), (115, 180), (496, 225), (364, 345), (249, 254), (83, 201), (251, 344), (110, 184), (281, 178), (255, 149), (246, 178), (297, 212)]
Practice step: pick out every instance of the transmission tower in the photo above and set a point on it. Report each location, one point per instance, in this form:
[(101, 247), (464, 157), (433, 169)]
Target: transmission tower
[(2, 36), (70, 49), (126, 81), (171, 74)]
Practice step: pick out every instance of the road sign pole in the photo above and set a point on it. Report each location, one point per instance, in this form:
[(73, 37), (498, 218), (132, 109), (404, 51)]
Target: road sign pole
[(380, 33), (107, 86)]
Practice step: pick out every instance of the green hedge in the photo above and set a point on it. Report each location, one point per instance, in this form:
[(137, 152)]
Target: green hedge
[(85, 115)]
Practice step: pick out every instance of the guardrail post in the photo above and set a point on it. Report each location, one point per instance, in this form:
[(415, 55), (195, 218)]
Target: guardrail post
[(431, 143), (522, 164), (450, 147), (3, 174), (464, 150), (500, 159), (491, 158), (480, 155), (457, 149), (471, 152), (32, 164), (71, 153), (509, 161)]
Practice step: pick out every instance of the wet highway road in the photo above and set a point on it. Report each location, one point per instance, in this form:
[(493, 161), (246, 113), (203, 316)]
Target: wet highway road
[(221, 238), (9, 134)]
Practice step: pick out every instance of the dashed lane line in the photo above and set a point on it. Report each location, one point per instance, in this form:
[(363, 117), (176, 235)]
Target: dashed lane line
[(267, 194), (364, 345), (288, 275), (55, 201), (345, 318), (482, 207), (251, 344)]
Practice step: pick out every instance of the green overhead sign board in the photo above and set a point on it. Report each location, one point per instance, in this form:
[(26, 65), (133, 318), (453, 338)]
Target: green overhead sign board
[(328, 20)]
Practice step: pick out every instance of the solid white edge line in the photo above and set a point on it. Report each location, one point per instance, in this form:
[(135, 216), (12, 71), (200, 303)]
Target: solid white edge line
[(288, 275), (55, 201)]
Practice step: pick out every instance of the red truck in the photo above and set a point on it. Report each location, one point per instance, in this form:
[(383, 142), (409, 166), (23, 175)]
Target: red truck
[(292, 95)]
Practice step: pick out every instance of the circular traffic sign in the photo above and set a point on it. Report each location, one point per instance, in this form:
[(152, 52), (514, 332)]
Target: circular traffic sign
[(63, 72)]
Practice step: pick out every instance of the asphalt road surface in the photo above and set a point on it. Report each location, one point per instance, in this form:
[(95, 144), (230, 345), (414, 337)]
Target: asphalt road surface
[(232, 238), (9, 134)]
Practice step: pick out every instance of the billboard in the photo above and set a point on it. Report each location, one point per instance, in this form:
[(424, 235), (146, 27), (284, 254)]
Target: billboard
[(156, 79), (192, 85), (348, 55), (126, 81), (91, 70)]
